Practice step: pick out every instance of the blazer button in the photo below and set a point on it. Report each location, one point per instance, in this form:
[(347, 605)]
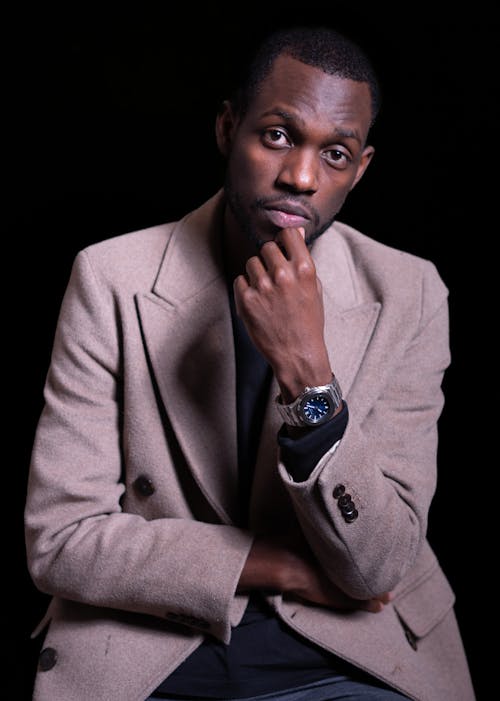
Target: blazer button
[(347, 509), (345, 500), (345, 503), (351, 516), (144, 486), (349, 512), (47, 659), (338, 491)]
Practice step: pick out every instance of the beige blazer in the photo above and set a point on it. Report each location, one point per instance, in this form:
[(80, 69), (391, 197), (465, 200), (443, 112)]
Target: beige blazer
[(131, 513)]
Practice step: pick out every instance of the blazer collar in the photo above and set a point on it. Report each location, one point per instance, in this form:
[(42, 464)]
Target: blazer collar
[(193, 256)]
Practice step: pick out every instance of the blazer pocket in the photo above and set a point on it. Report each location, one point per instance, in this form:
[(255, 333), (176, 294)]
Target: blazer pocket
[(420, 609)]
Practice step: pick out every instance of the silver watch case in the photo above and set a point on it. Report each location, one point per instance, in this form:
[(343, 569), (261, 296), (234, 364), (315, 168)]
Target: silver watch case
[(294, 414)]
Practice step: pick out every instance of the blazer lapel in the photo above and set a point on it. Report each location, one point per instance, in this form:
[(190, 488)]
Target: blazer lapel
[(347, 335), (349, 319), (188, 334)]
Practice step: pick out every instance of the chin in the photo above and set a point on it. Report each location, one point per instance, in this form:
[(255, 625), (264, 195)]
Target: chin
[(260, 240), (259, 234)]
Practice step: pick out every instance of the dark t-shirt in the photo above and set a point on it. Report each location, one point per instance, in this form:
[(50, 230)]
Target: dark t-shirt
[(264, 655)]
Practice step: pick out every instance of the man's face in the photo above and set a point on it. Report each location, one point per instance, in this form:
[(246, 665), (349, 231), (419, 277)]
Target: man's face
[(296, 153)]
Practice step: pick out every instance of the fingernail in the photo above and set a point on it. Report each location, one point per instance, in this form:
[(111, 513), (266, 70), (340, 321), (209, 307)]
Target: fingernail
[(302, 231), (376, 606)]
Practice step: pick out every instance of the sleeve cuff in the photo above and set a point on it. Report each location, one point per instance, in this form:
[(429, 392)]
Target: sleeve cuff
[(300, 455)]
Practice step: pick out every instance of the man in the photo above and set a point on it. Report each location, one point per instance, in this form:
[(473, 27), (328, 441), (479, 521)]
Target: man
[(231, 476)]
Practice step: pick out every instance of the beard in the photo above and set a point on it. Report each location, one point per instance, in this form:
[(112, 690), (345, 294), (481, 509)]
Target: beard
[(247, 223)]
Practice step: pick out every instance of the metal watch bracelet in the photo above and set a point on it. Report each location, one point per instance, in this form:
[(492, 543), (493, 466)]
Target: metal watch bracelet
[(290, 412)]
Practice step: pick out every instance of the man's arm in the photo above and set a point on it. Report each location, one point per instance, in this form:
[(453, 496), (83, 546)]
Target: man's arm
[(386, 460), (284, 567), (280, 302), (81, 544)]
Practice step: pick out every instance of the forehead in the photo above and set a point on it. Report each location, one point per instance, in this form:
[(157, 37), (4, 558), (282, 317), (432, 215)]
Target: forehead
[(313, 95)]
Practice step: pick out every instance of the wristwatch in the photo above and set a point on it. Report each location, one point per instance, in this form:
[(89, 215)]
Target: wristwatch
[(313, 406)]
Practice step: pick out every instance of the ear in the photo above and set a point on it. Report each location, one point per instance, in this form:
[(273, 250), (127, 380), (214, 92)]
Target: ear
[(364, 162), (225, 127)]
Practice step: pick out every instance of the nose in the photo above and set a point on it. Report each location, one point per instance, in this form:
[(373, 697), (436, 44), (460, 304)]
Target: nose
[(299, 171)]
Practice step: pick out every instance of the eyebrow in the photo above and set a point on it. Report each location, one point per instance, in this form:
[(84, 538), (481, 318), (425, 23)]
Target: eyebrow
[(288, 116)]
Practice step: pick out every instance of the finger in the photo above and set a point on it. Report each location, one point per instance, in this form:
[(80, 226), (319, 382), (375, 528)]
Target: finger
[(256, 273), (293, 241), (348, 604), (273, 255), (240, 286), (373, 606), (288, 243)]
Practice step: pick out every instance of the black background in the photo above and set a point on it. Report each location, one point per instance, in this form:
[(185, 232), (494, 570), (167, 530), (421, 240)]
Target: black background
[(111, 128)]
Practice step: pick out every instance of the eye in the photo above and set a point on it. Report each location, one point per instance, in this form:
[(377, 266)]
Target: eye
[(337, 158), (276, 138)]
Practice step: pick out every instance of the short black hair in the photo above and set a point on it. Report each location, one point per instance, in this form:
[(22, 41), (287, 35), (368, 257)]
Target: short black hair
[(318, 46)]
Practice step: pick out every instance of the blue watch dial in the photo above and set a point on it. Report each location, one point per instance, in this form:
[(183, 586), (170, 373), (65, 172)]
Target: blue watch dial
[(316, 408)]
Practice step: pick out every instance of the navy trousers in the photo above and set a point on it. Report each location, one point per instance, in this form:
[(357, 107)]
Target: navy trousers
[(338, 689)]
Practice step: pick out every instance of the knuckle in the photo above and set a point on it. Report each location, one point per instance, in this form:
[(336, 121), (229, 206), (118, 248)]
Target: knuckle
[(264, 284), (282, 276), (306, 269)]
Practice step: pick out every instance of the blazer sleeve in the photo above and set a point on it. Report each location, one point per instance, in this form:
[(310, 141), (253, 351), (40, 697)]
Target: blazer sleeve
[(385, 461), (80, 544)]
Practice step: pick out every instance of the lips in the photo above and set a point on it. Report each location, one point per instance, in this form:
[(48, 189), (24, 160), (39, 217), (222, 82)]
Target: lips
[(286, 214)]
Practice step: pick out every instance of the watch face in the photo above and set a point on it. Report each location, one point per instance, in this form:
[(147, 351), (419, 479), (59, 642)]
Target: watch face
[(316, 408)]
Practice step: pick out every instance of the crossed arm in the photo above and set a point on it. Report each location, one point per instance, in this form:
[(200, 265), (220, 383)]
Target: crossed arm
[(280, 301)]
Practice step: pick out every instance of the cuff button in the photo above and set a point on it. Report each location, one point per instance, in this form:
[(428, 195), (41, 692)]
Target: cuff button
[(338, 491)]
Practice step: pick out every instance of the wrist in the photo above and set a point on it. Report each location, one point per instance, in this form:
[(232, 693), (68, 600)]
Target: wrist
[(275, 563), (292, 571), (293, 381), (267, 567)]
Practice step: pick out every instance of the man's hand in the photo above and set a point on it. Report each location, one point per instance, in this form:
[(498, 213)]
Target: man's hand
[(280, 301), (276, 565)]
